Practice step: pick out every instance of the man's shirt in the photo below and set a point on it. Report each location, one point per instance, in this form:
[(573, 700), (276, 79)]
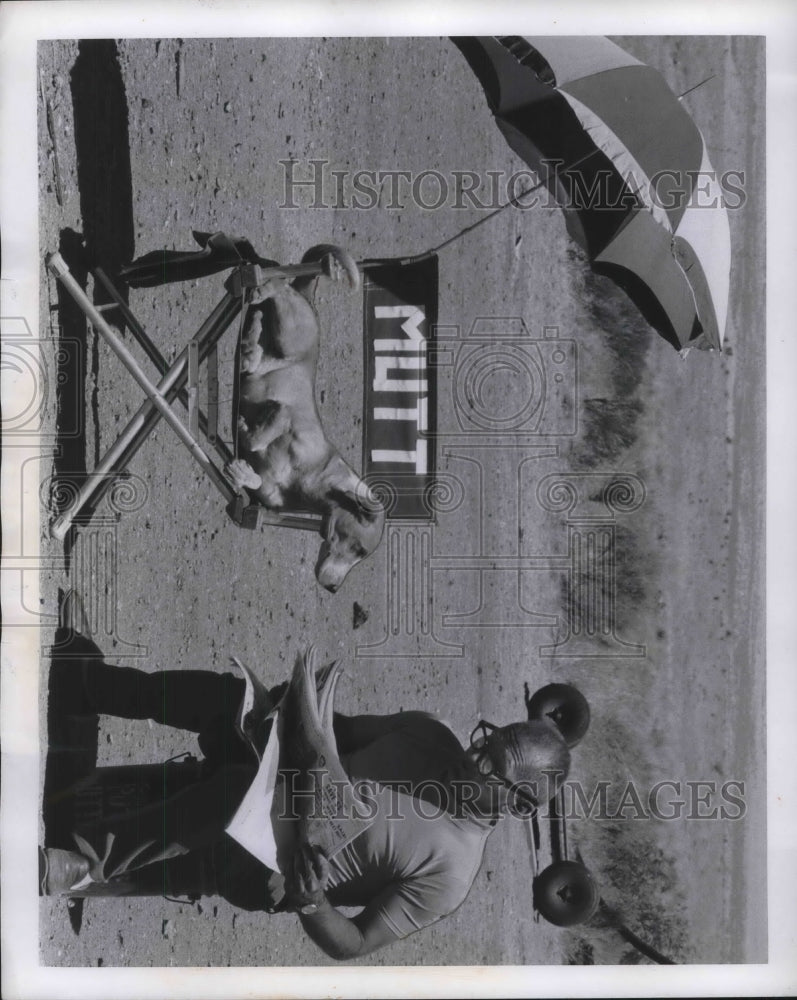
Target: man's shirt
[(417, 861)]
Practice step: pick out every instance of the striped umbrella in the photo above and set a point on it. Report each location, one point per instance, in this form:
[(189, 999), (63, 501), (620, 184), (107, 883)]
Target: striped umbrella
[(627, 164)]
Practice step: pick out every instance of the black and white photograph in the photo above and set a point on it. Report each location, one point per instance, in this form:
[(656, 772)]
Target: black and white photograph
[(391, 459)]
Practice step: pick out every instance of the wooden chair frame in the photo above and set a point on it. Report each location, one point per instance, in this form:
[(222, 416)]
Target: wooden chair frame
[(178, 381)]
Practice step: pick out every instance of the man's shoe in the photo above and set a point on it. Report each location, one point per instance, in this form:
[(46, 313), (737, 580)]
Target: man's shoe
[(60, 871), (72, 615)]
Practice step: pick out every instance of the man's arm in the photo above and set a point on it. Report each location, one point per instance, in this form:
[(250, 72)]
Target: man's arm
[(338, 936), (353, 732), (342, 937)]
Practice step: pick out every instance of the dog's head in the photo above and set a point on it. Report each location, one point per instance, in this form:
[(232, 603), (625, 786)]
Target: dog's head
[(352, 530)]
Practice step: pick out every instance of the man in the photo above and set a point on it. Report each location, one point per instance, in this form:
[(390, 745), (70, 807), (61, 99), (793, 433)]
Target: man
[(433, 805)]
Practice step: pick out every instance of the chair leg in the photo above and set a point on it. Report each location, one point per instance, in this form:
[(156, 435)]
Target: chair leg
[(207, 424), (154, 408)]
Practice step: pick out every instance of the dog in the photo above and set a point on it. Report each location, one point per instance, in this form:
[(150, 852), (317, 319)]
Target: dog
[(284, 457)]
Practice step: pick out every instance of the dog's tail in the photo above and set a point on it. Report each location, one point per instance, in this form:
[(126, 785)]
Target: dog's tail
[(343, 257)]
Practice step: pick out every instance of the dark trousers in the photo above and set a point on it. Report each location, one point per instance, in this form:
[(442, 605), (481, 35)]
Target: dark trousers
[(142, 851)]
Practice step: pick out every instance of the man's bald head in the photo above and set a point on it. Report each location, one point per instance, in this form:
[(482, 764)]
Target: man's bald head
[(533, 754)]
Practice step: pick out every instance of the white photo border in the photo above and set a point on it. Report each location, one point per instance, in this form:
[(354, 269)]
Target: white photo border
[(21, 26)]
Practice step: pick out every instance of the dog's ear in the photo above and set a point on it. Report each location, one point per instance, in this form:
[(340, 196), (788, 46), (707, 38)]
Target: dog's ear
[(369, 506), (328, 526), (347, 500), (364, 504)]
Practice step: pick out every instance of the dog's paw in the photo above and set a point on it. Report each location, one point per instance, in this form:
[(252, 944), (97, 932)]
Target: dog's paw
[(270, 288), (250, 360), (243, 434), (242, 475), (339, 264)]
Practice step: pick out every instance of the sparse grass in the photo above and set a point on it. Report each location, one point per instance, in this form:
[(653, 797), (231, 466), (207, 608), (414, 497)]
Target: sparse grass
[(626, 334), (627, 588), (609, 428), (627, 344), (644, 878), (639, 880), (580, 952), (625, 339), (636, 876)]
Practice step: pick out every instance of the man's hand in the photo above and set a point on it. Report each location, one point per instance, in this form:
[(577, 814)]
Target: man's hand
[(339, 937), (307, 877)]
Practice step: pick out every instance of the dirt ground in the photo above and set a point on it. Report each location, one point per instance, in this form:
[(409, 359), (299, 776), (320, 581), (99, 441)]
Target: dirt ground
[(177, 584)]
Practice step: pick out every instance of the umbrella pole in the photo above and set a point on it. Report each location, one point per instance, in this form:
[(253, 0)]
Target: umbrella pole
[(683, 95), (463, 232), (486, 218)]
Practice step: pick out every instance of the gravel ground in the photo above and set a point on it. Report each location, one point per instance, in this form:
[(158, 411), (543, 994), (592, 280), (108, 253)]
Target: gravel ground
[(207, 123)]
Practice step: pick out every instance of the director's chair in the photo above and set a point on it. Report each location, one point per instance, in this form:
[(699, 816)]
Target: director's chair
[(180, 380), (401, 292)]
